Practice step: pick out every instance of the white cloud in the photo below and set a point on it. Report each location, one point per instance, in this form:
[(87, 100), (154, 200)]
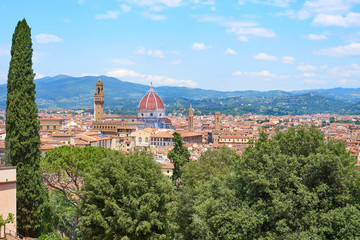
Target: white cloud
[(125, 8), (243, 38), (205, 2), (352, 49), (39, 75), (155, 53), (278, 3), (140, 51), (176, 62), (199, 46), (146, 78), (108, 15), (288, 60), (213, 9), (123, 61), (352, 70), (255, 74), (168, 3), (157, 8), (81, 1), (122, 72), (314, 81), (152, 53), (310, 68), (230, 51), (349, 20), (309, 74), (327, 7), (242, 29), (316, 37), (47, 38), (265, 57), (254, 31)]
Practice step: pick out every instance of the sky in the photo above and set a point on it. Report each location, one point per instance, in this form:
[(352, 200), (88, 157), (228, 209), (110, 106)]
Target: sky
[(210, 44)]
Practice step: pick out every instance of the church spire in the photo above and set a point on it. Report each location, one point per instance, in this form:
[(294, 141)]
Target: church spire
[(151, 87)]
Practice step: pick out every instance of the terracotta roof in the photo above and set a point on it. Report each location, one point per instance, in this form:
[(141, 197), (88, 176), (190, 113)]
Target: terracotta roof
[(81, 143), (151, 101), (191, 134), (61, 135), (168, 166), (47, 147), (162, 135)]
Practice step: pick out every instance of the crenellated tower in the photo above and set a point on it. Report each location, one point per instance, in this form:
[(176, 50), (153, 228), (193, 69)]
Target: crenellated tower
[(191, 119), (99, 101)]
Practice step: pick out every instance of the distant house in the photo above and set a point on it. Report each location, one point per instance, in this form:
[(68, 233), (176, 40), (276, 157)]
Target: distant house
[(8, 197)]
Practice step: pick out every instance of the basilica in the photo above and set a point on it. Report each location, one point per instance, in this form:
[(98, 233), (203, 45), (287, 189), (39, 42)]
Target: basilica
[(151, 114)]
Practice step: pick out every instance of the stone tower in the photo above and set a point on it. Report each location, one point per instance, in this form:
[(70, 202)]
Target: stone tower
[(99, 101), (191, 119), (217, 121)]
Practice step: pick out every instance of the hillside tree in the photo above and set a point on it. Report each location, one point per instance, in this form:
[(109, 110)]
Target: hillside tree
[(179, 156), (22, 133)]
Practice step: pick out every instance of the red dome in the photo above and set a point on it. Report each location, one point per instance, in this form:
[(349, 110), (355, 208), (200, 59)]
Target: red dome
[(151, 101)]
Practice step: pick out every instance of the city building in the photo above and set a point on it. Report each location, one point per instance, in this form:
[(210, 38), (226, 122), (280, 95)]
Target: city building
[(8, 197)]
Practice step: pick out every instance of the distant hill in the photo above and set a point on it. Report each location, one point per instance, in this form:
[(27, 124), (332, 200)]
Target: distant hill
[(77, 92)]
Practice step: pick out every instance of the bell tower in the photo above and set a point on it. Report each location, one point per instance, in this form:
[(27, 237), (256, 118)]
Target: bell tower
[(99, 101), (217, 121), (191, 119)]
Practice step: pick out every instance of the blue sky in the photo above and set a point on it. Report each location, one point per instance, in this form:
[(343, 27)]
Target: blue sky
[(210, 44)]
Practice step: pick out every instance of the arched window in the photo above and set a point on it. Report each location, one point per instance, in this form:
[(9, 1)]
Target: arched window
[(151, 114), (140, 139), (98, 90), (146, 139)]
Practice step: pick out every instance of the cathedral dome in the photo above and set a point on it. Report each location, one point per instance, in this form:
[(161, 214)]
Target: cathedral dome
[(151, 101)]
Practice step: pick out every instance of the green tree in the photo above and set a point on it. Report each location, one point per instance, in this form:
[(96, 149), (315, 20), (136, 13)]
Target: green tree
[(179, 156), (126, 197), (22, 133), (63, 171), (3, 222), (197, 178), (292, 186)]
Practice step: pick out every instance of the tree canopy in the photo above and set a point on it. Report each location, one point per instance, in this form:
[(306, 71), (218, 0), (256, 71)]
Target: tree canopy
[(294, 185), (22, 133), (179, 156), (126, 197), (64, 169)]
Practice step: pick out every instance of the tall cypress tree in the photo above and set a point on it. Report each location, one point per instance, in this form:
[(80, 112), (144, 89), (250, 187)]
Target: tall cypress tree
[(22, 132)]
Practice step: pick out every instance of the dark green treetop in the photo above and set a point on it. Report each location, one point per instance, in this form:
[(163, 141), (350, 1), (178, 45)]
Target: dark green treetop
[(126, 197), (179, 156), (22, 133)]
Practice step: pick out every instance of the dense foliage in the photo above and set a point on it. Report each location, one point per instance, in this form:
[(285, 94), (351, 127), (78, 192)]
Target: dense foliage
[(22, 133), (179, 156), (64, 169), (292, 186), (126, 197)]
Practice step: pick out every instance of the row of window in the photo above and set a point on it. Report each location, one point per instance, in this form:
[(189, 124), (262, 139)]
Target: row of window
[(48, 127)]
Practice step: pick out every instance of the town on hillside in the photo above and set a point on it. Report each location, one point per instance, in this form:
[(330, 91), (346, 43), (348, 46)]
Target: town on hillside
[(152, 130)]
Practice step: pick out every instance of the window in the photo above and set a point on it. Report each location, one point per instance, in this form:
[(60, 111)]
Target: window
[(41, 127), (140, 139), (54, 127), (167, 171), (151, 114), (47, 127), (146, 139)]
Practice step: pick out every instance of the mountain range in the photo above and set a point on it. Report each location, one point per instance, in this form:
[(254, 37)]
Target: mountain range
[(64, 91)]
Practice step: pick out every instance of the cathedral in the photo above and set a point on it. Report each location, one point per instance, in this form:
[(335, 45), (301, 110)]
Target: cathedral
[(151, 113)]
